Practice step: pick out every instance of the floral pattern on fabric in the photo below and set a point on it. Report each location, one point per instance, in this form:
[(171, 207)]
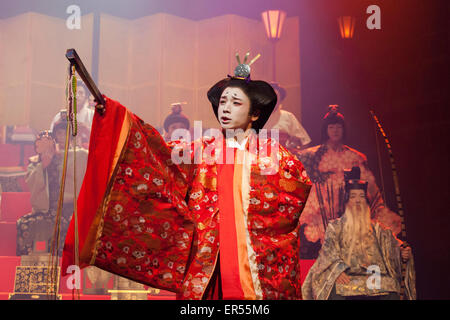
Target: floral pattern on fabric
[(161, 220), (146, 230), (326, 168), (272, 224), (276, 203)]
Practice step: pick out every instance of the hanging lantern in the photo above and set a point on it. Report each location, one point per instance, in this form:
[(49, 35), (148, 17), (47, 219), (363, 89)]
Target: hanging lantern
[(273, 22), (346, 26)]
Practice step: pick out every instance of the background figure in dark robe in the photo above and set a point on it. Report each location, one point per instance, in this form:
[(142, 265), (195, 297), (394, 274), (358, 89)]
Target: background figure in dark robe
[(359, 259)]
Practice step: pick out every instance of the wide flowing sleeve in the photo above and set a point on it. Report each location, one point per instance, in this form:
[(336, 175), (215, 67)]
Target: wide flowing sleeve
[(326, 269), (132, 216), (391, 250)]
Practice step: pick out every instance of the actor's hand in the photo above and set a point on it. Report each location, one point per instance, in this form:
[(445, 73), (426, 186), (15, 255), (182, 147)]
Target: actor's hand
[(405, 253), (343, 278), (45, 147)]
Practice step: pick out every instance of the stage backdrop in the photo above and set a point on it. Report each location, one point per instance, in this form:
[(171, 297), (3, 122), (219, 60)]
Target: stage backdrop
[(146, 64), (151, 62), (33, 67)]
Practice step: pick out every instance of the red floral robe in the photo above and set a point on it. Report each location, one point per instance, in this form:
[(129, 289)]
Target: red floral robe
[(148, 219)]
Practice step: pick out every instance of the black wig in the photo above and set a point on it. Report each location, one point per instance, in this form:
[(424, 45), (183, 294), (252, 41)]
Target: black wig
[(262, 96), (332, 117)]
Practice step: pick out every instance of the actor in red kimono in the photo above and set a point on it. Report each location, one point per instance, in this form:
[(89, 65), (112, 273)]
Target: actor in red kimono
[(205, 227)]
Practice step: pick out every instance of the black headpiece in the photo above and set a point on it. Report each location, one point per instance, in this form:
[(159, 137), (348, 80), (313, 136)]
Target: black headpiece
[(333, 116), (176, 116), (61, 124), (280, 89), (353, 181)]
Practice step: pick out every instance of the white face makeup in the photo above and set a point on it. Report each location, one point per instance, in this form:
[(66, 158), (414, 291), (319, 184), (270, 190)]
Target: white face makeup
[(174, 126), (60, 136), (335, 132), (233, 111), (357, 198)]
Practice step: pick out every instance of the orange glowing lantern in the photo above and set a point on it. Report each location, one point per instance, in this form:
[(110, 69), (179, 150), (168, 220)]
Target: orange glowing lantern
[(346, 26), (273, 21)]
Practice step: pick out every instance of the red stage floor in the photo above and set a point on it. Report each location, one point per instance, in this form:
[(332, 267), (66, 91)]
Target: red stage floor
[(8, 269)]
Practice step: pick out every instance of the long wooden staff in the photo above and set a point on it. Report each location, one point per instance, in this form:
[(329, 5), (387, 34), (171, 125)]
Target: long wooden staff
[(321, 206), (397, 196), (76, 65)]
